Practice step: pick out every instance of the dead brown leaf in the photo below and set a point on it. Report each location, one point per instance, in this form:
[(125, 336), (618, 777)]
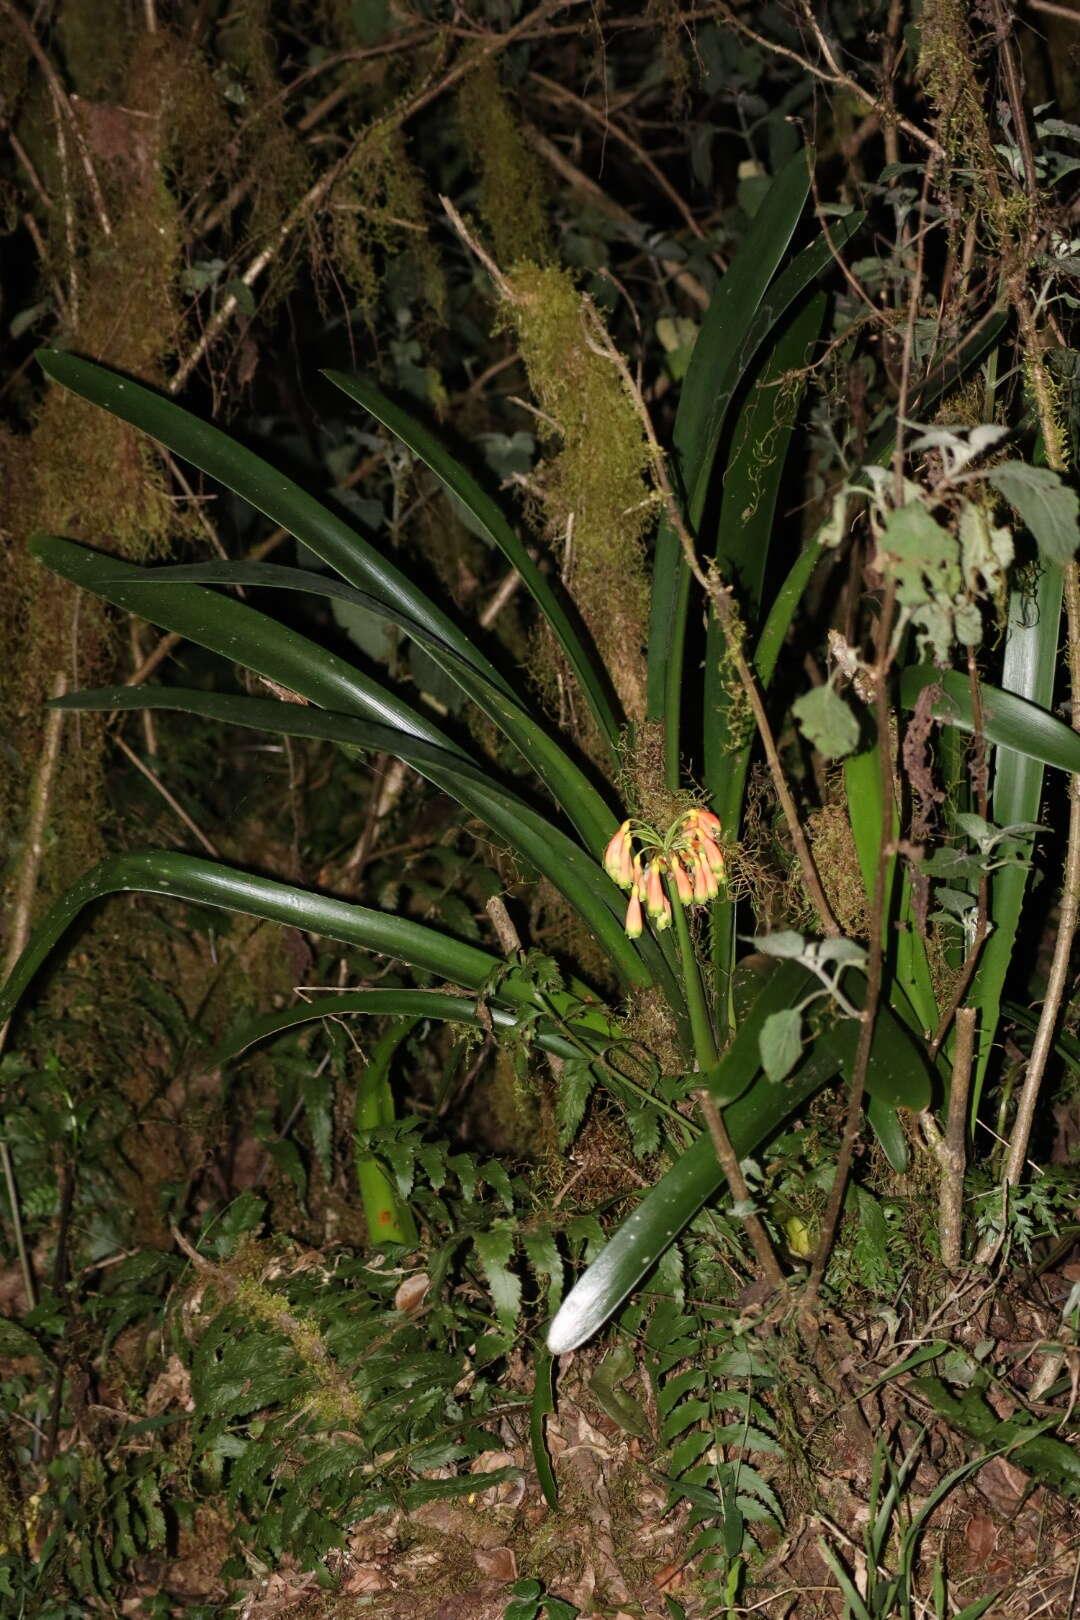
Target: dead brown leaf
[(499, 1564), (410, 1293), (980, 1536)]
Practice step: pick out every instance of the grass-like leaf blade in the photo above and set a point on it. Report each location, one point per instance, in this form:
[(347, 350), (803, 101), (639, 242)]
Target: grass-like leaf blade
[(264, 487), (1028, 671), (568, 784), (460, 482), (896, 1073), (1008, 720), (577, 876), (202, 882)]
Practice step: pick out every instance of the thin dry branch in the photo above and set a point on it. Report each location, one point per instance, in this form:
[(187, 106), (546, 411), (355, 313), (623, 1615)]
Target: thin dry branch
[(22, 908), (588, 189), (317, 194), (559, 93), (752, 1223), (62, 102), (835, 77)]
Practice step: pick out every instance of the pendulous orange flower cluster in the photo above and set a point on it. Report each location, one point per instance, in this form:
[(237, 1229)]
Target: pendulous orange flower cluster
[(690, 856)]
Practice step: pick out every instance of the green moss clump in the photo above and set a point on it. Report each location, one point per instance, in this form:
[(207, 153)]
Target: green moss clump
[(595, 488), (331, 1399), (511, 194), (378, 212), (269, 150), (95, 38)]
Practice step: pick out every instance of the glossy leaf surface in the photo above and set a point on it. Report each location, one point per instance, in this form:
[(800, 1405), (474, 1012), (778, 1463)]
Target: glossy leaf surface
[(461, 483)]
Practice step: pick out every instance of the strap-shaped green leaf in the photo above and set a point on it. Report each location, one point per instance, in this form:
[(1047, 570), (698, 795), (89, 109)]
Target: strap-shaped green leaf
[(189, 877), (1028, 671), (791, 592), (322, 530), (568, 784), (576, 875), (461, 483), (437, 1005), (240, 633), (760, 440), (1009, 721), (721, 352), (896, 1073), (657, 1221), (389, 1219)]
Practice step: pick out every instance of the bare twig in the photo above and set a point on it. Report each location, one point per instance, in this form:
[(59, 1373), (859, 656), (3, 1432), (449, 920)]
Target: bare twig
[(588, 189), (559, 92), (952, 1152), (1012, 74), (64, 108), (317, 194), (503, 924), (390, 777), (159, 787), (833, 76), (982, 914), (1069, 915), (21, 912), (752, 1223), (875, 961), (503, 287)]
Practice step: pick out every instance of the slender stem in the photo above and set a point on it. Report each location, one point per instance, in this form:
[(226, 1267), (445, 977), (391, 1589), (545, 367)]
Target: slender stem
[(752, 1224), (875, 964), (1058, 978), (21, 910), (700, 1023), (1069, 916), (982, 923), (953, 1151)]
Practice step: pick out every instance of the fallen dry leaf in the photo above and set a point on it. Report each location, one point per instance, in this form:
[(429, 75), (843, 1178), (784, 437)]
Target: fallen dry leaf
[(1003, 1485), (410, 1293), (365, 1578), (500, 1564), (980, 1536), (170, 1388), (669, 1577)]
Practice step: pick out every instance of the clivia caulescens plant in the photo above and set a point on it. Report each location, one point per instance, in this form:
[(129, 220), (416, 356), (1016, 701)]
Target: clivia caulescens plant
[(741, 1030)]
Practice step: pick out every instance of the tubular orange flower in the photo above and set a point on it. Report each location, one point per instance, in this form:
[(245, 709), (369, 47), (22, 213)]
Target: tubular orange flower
[(682, 881), (705, 884), (655, 899), (709, 824), (619, 858), (664, 919), (634, 922), (711, 853)]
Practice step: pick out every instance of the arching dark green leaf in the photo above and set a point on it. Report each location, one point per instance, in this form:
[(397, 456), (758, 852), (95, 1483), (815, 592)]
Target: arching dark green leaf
[(577, 876), (491, 519), (1009, 721), (569, 785), (189, 877), (264, 487)]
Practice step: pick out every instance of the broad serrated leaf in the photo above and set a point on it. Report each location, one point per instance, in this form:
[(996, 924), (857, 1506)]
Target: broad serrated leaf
[(689, 1412), (495, 1252), (1049, 508), (827, 722), (781, 1043), (542, 1253), (575, 1087)]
